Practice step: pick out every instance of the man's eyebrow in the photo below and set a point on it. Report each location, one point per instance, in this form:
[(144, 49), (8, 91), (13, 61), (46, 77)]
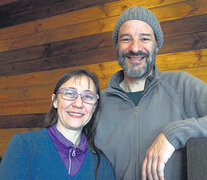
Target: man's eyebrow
[(122, 35), (146, 34), (142, 34)]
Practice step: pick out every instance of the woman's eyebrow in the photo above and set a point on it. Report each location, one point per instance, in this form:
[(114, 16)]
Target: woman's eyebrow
[(70, 88)]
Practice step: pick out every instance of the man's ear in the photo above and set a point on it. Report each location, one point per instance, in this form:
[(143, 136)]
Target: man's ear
[(54, 100), (157, 50)]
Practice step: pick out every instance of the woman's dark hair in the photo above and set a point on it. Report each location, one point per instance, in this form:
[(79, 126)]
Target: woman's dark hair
[(89, 129)]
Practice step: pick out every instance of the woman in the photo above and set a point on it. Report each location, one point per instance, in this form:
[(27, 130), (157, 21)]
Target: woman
[(65, 148)]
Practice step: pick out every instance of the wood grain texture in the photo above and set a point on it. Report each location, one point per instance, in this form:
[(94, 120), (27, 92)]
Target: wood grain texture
[(171, 61), (164, 13), (23, 11), (22, 121), (77, 17), (24, 96), (4, 2), (79, 51), (186, 25), (42, 105), (41, 40)]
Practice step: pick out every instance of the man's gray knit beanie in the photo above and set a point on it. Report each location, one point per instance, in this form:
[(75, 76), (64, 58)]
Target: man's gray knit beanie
[(142, 14)]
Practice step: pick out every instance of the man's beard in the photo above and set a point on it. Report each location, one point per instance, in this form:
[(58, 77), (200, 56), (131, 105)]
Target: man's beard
[(137, 73)]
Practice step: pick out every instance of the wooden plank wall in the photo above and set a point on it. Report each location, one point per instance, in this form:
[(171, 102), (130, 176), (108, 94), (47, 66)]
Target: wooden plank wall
[(40, 40)]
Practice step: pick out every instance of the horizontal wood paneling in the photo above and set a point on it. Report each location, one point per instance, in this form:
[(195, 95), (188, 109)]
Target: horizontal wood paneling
[(24, 11), (79, 51), (4, 2), (178, 10), (41, 40), (77, 17), (178, 60), (68, 47), (66, 60), (186, 25), (185, 42), (27, 97), (22, 120)]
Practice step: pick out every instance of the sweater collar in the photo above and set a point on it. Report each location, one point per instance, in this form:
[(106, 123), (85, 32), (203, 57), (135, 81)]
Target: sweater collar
[(62, 144)]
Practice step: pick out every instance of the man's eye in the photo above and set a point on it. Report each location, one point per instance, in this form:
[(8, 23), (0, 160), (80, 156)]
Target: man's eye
[(125, 39), (145, 39)]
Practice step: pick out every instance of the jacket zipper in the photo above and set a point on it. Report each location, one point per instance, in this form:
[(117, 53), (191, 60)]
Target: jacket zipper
[(69, 168)]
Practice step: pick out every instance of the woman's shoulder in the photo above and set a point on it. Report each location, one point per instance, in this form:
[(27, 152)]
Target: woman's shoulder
[(30, 136)]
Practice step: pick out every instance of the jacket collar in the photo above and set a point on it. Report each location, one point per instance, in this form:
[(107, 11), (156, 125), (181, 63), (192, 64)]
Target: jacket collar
[(116, 79)]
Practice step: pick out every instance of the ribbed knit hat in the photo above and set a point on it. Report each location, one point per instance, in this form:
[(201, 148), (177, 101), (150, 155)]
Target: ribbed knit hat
[(142, 14)]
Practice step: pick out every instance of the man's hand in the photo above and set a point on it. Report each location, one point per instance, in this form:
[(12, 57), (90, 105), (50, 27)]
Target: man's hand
[(156, 158)]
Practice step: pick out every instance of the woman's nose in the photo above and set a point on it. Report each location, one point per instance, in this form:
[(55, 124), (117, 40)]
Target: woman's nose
[(78, 102)]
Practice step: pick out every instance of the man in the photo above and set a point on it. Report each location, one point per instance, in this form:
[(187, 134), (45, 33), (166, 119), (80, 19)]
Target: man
[(148, 115)]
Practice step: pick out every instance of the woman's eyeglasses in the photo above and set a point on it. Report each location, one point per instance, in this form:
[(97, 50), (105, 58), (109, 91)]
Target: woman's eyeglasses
[(71, 94)]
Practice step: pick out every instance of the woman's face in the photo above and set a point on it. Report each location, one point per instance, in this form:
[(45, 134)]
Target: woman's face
[(75, 114)]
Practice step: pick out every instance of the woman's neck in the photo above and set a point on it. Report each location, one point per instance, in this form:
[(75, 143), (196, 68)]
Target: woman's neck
[(72, 135)]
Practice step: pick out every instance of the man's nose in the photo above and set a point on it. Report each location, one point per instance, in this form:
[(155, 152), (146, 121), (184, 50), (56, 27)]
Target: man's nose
[(136, 46)]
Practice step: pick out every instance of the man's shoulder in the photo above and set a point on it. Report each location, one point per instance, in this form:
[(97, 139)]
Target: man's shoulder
[(180, 79), (172, 74), (175, 76)]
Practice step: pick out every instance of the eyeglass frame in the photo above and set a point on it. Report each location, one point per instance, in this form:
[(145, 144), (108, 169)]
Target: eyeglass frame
[(60, 92)]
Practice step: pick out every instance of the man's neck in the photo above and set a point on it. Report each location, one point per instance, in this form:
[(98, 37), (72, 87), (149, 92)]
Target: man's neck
[(130, 84)]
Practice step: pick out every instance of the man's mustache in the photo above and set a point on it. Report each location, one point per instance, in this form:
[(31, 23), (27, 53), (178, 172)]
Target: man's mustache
[(139, 53)]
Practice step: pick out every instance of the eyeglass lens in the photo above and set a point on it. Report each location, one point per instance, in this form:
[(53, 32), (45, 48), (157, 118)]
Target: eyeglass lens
[(70, 94)]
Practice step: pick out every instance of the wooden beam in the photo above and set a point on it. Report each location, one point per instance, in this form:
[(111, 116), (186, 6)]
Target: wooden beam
[(164, 13), (182, 60), (171, 61), (77, 52), (185, 42), (30, 10), (22, 121), (71, 46), (176, 27), (186, 25), (63, 61), (42, 105), (5, 2), (172, 28), (74, 17)]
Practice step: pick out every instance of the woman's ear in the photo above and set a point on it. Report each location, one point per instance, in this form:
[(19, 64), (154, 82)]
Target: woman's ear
[(54, 100)]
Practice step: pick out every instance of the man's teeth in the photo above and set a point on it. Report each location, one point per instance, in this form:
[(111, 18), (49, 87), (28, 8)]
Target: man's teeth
[(136, 58)]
